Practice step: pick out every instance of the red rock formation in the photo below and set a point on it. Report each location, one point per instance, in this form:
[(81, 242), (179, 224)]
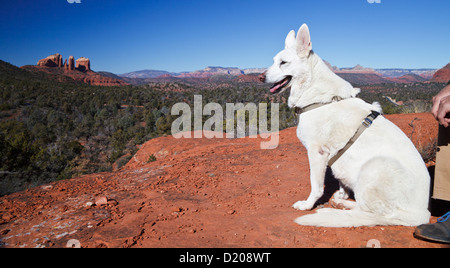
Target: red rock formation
[(88, 77), (51, 61), (54, 66), (71, 63), (442, 75), (83, 64)]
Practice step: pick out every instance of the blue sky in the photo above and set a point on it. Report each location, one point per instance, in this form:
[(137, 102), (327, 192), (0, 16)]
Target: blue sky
[(186, 35)]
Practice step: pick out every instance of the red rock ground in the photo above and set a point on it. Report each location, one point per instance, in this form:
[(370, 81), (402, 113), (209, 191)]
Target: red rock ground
[(198, 193)]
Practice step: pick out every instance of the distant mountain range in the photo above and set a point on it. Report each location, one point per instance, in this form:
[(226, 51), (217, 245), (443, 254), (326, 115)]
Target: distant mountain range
[(146, 74), (356, 75), (207, 72), (425, 73)]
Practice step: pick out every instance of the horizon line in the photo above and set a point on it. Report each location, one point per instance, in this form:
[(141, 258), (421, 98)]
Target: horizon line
[(245, 68), (230, 67)]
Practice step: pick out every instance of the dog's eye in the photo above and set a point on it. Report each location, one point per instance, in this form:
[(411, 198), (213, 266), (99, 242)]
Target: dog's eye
[(282, 63)]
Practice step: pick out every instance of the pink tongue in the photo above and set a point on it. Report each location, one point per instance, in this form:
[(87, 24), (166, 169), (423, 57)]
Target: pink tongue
[(272, 90)]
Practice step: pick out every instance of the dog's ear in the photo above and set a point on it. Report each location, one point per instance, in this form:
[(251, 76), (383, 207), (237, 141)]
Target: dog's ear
[(304, 45), (290, 40)]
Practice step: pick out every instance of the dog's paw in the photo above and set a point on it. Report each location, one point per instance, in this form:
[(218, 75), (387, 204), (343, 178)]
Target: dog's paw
[(302, 205), (336, 204), (340, 194)]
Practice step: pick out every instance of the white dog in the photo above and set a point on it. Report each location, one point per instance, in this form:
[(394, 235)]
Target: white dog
[(382, 167)]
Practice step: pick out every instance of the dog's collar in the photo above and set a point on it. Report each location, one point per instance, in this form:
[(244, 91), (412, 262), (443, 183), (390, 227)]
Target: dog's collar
[(300, 110)]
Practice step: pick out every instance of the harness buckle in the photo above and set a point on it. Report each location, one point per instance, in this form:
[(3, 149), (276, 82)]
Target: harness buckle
[(367, 122)]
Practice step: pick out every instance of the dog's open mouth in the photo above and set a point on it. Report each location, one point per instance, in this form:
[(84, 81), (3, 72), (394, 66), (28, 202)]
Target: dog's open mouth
[(277, 87)]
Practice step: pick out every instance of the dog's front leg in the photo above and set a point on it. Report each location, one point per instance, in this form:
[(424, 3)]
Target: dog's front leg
[(318, 159)]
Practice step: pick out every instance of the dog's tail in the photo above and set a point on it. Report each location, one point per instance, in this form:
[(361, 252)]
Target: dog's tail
[(328, 217)]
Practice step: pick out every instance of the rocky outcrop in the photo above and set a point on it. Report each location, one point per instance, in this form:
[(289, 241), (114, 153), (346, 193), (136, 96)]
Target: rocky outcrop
[(71, 63), (79, 70), (83, 64), (442, 75), (54, 60)]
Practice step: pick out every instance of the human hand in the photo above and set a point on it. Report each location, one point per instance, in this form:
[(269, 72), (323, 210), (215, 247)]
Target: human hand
[(441, 106), (444, 109)]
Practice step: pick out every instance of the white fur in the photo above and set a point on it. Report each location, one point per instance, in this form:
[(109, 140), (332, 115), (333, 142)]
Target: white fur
[(383, 168)]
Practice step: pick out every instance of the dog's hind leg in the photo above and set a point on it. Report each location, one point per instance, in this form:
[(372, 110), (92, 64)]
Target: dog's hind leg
[(342, 193), (340, 197), (318, 159), (382, 186), (388, 189), (343, 203)]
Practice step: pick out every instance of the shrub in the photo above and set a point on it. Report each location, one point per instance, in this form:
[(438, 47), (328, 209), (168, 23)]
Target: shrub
[(151, 158)]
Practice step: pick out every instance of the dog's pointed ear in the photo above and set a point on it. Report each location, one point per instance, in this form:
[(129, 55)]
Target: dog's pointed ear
[(290, 40), (304, 45)]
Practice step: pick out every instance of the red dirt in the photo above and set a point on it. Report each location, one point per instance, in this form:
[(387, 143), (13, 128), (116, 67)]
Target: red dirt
[(198, 193)]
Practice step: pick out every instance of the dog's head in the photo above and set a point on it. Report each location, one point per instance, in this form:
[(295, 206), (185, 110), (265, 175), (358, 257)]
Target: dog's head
[(290, 65)]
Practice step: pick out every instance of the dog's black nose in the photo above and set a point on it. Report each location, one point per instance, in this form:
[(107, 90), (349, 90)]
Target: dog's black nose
[(262, 77)]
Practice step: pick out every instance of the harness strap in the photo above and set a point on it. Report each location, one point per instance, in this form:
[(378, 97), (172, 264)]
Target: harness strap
[(367, 122)]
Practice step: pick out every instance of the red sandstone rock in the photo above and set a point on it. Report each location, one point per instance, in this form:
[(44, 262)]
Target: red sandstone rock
[(71, 63), (54, 60), (442, 75), (174, 202), (83, 64), (101, 200), (53, 65)]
